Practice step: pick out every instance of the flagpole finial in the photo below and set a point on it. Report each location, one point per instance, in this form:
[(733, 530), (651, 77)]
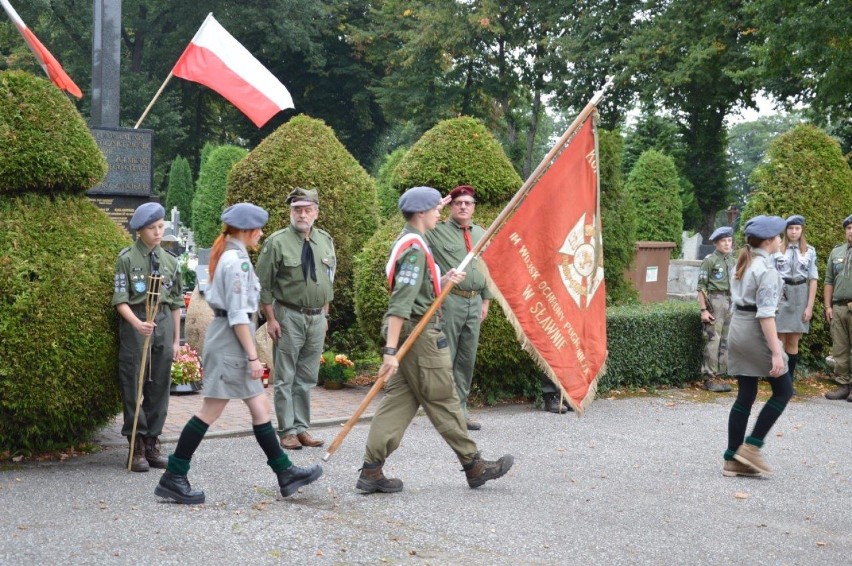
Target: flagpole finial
[(610, 80)]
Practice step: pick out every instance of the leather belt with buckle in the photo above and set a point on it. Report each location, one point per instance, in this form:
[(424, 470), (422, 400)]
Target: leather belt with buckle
[(465, 294), (792, 282), (747, 308), (304, 310)]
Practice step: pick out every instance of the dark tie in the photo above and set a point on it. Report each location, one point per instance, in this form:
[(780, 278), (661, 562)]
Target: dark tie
[(308, 261)]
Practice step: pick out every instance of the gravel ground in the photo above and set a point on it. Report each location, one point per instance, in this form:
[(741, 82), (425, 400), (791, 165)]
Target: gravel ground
[(635, 481)]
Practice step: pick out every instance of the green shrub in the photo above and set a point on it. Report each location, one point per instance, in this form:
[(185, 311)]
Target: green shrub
[(209, 200), (651, 346), (58, 339), (45, 146), (654, 188), (619, 221), (385, 181), (805, 173), (180, 191), (455, 152), (304, 152)]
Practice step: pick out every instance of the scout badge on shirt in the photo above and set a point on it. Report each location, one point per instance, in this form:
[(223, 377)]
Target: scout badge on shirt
[(718, 273)]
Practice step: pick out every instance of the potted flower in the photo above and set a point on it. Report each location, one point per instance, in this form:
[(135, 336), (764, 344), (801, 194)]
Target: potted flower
[(186, 371), (335, 370)]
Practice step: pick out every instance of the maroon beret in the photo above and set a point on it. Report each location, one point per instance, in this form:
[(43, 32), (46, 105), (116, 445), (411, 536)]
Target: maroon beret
[(462, 190)]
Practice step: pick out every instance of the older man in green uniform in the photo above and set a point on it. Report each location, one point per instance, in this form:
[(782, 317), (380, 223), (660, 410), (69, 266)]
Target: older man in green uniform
[(714, 298), (466, 306), (838, 312), (133, 270), (296, 270), (425, 374)]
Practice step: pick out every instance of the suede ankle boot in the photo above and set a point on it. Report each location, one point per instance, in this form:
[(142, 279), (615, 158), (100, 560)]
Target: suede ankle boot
[(372, 479), (138, 463), (153, 455)]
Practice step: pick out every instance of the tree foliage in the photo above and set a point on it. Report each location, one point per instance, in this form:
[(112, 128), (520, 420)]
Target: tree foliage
[(653, 188), (46, 145), (456, 152), (209, 200), (181, 190), (805, 173), (619, 221), (386, 182)]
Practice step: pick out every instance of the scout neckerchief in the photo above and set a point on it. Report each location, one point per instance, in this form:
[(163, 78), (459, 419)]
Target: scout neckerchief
[(406, 241)]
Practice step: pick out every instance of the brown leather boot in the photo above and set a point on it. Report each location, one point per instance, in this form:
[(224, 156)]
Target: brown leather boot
[(138, 463), (372, 479), (750, 456), (153, 455), (480, 471)]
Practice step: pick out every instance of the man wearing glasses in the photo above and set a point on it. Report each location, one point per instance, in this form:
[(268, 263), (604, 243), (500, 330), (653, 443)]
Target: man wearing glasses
[(466, 306)]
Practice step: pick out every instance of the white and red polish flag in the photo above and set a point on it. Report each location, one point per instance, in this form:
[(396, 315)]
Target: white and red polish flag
[(48, 62), (217, 60)]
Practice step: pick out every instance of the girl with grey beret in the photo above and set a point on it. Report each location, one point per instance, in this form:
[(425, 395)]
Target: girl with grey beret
[(231, 365), (797, 264), (754, 350)]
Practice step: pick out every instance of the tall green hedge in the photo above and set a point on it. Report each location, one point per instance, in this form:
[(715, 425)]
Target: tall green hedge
[(180, 190), (304, 152), (459, 151), (45, 146), (805, 173), (58, 340), (209, 200), (653, 185), (619, 221)]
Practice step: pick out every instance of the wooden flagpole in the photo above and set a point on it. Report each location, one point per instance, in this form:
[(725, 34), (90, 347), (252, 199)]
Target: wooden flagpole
[(477, 249), (156, 96)]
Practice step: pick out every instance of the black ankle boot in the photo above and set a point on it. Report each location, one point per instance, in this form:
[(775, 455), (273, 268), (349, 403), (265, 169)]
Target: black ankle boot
[(294, 477), (173, 486)]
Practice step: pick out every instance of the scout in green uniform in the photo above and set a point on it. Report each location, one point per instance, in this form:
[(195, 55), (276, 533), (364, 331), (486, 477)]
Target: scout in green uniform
[(838, 312), (132, 270), (296, 271), (714, 298), (424, 375), (466, 306)]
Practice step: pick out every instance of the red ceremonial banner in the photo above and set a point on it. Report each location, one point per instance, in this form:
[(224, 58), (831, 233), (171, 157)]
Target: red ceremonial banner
[(547, 265)]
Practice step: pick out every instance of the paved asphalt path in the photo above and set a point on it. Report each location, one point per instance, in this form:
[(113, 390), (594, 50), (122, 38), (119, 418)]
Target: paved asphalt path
[(635, 481)]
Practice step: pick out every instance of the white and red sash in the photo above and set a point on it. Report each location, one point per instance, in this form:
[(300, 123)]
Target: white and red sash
[(406, 241)]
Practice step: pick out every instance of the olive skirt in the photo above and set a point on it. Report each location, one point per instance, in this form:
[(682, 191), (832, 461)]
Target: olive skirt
[(791, 308), (226, 367)]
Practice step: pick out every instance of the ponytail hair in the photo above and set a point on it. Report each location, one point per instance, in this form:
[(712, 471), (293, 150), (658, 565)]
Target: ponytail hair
[(217, 250), (744, 258)]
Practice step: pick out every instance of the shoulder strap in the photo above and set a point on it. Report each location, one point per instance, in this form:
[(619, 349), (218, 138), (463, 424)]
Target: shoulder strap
[(400, 246)]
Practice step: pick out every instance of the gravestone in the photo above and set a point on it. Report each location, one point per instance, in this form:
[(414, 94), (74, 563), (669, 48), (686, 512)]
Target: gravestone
[(704, 250), (691, 245)]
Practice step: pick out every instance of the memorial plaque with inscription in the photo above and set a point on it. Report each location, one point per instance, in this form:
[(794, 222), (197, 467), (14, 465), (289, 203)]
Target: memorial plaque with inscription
[(129, 155)]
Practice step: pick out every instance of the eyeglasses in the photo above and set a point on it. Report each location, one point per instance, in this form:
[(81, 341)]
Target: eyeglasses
[(461, 203)]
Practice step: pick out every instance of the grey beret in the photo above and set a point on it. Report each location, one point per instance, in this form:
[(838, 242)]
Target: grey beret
[(146, 214), (847, 221), (302, 197), (765, 227), (245, 216), (723, 232), (419, 199), (796, 220)]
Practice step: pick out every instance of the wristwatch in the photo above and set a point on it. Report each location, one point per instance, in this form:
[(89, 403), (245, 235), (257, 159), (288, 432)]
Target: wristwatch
[(388, 351)]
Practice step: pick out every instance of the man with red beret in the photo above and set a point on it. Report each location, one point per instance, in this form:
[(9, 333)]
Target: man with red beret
[(466, 306)]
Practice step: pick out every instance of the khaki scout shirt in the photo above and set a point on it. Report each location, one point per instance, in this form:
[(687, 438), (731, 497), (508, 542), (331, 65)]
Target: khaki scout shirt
[(234, 287), (795, 266), (447, 243), (714, 275), (279, 269), (412, 292), (839, 273), (760, 287), (132, 269)]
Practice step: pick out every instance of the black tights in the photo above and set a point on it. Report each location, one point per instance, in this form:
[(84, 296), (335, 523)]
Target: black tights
[(782, 390)]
